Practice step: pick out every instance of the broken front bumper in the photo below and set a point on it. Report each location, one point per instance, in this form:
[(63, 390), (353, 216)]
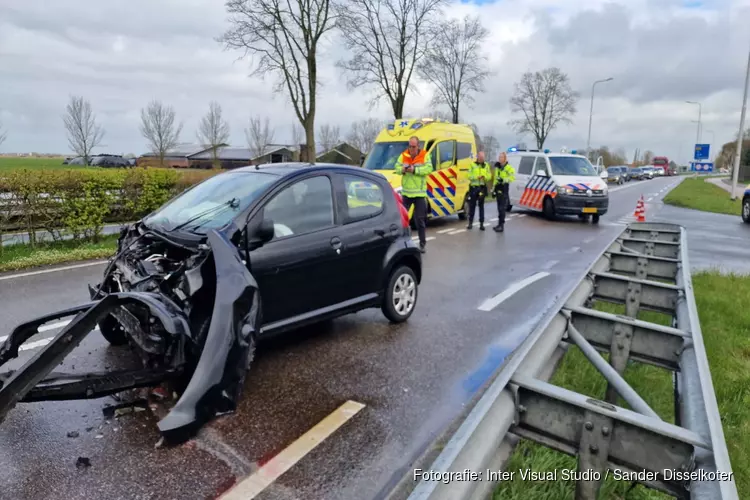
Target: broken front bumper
[(215, 382)]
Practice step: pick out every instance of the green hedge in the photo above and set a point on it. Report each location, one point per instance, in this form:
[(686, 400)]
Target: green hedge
[(79, 202)]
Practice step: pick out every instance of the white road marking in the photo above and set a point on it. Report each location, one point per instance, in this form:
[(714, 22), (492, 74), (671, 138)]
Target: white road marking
[(41, 342), (494, 219), (550, 264), (575, 249), (588, 240), (253, 485), (457, 231), (45, 271), (443, 231), (650, 199), (493, 302), (428, 238)]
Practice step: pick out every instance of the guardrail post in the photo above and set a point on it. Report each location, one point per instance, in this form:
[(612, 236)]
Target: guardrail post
[(593, 452)]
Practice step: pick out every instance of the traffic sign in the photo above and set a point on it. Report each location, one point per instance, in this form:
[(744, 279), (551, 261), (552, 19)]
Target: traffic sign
[(701, 151), (702, 166)]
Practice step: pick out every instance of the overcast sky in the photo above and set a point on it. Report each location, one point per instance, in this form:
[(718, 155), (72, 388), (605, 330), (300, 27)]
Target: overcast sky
[(120, 54)]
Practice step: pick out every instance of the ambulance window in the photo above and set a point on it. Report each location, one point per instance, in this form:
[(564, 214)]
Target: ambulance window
[(445, 159), (526, 166), (364, 198), (463, 150)]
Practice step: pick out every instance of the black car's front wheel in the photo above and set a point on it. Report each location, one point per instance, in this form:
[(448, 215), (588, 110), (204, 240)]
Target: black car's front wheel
[(112, 331), (746, 210), (400, 296)]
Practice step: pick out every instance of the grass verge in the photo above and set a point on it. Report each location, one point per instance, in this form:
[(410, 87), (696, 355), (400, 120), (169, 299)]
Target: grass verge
[(701, 195), (726, 331), (17, 257)]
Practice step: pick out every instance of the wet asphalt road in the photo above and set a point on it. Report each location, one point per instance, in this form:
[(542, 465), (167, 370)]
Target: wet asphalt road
[(413, 379)]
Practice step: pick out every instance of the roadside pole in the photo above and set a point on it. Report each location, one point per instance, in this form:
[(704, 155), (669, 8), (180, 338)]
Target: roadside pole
[(738, 153)]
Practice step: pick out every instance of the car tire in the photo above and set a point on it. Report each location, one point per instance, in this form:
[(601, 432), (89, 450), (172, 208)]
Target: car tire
[(595, 219), (112, 331), (401, 293), (746, 210), (549, 208)]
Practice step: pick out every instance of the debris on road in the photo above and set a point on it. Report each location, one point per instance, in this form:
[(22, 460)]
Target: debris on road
[(83, 462), (121, 409), (73, 434)]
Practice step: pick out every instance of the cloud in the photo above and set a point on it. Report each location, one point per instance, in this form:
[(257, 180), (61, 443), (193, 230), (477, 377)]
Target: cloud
[(121, 54)]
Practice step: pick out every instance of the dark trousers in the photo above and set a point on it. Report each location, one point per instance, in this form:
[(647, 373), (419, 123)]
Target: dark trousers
[(501, 195), (420, 215), (477, 194)]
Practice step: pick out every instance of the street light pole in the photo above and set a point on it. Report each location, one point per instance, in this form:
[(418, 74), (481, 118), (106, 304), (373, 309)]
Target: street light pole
[(591, 114), (738, 153), (711, 144), (698, 131)]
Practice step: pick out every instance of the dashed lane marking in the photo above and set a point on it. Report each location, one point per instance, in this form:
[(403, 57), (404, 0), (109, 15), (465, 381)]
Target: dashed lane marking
[(261, 479), (493, 302), (45, 271), (443, 231), (428, 238), (588, 240), (40, 342), (456, 231), (549, 265)]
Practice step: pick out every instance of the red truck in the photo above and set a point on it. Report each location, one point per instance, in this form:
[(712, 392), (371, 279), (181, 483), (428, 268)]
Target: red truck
[(663, 161)]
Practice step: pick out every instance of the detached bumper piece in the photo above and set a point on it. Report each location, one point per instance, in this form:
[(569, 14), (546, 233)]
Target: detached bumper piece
[(216, 370)]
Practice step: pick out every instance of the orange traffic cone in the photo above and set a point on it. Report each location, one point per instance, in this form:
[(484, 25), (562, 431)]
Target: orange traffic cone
[(640, 211)]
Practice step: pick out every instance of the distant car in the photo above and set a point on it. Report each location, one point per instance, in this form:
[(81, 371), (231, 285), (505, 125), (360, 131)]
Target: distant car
[(615, 175), (636, 173), (659, 171), (648, 172), (107, 161)]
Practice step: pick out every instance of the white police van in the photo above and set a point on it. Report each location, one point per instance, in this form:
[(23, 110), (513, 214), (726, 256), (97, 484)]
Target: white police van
[(557, 184)]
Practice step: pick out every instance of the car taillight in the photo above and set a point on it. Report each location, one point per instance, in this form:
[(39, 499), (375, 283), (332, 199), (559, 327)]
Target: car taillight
[(402, 209)]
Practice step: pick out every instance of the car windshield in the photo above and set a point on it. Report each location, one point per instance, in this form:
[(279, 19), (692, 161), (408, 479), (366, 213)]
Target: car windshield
[(571, 165), (212, 203), (383, 155)]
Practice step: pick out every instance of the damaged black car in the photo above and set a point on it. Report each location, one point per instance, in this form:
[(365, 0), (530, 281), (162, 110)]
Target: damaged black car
[(245, 254)]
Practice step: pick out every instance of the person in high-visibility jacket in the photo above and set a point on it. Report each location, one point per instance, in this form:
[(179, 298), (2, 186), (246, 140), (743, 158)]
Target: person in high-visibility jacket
[(503, 174), (414, 165), (479, 175)]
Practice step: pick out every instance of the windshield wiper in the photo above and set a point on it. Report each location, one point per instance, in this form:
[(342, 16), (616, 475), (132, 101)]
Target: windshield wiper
[(233, 203)]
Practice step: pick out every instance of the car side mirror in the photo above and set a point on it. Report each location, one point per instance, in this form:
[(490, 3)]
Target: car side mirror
[(541, 173), (603, 174), (261, 234)]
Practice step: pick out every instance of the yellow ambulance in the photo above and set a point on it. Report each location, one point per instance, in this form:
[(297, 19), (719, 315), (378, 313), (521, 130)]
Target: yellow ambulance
[(452, 147)]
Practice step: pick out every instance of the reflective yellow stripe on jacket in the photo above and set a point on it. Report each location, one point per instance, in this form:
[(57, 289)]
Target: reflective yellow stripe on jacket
[(477, 170)]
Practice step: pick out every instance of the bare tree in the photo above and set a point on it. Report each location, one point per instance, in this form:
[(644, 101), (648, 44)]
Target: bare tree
[(388, 39), (213, 131), (363, 133), (545, 99), (648, 157), (84, 134), (284, 35), (330, 137), (259, 135), (159, 128), (297, 135), (454, 64), (3, 134), (491, 147)]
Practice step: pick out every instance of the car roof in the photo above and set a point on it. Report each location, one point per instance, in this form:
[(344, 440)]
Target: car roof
[(290, 169)]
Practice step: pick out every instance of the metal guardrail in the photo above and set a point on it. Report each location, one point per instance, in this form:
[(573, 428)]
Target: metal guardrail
[(688, 459)]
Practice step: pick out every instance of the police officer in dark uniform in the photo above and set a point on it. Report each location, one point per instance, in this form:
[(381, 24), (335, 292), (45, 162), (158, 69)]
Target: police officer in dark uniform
[(503, 174)]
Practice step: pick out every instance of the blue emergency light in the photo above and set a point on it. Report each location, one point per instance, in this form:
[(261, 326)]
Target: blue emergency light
[(574, 152), (546, 151), (512, 149)]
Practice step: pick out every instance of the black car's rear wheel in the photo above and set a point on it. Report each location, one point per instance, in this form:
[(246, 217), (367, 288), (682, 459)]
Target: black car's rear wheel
[(400, 297), (746, 210)]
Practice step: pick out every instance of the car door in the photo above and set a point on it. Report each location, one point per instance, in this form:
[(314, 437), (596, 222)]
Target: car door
[(368, 228), (523, 175), (439, 185), (297, 271)]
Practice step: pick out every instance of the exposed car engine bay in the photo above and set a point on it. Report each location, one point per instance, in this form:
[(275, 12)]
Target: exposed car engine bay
[(189, 311)]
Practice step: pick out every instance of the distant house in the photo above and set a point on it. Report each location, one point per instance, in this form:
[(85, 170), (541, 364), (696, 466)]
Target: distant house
[(228, 158), (276, 153), (344, 154), (179, 157)]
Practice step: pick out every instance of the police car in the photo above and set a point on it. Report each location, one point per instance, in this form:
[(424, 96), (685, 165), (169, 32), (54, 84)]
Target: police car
[(557, 184)]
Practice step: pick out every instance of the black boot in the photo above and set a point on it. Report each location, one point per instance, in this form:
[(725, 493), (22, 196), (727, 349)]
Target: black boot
[(481, 226), (499, 228)]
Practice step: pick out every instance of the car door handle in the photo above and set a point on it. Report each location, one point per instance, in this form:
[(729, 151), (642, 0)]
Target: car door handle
[(336, 244), (379, 232)]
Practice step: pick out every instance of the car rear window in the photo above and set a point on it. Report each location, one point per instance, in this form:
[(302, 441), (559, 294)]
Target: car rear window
[(364, 198)]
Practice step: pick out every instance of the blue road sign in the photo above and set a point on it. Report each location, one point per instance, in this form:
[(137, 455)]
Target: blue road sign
[(702, 166), (701, 151)]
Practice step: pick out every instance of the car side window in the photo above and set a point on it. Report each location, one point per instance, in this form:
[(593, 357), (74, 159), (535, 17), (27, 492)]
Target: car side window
[(463, 150), (303, 207), (541, 164), (364, 198), (526, 166)]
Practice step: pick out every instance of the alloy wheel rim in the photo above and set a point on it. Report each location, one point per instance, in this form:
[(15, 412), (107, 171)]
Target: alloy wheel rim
[(404, 294)]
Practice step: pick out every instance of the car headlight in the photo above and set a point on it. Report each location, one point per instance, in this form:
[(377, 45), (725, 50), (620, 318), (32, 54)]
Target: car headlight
[(604, 190), (564, 190)]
